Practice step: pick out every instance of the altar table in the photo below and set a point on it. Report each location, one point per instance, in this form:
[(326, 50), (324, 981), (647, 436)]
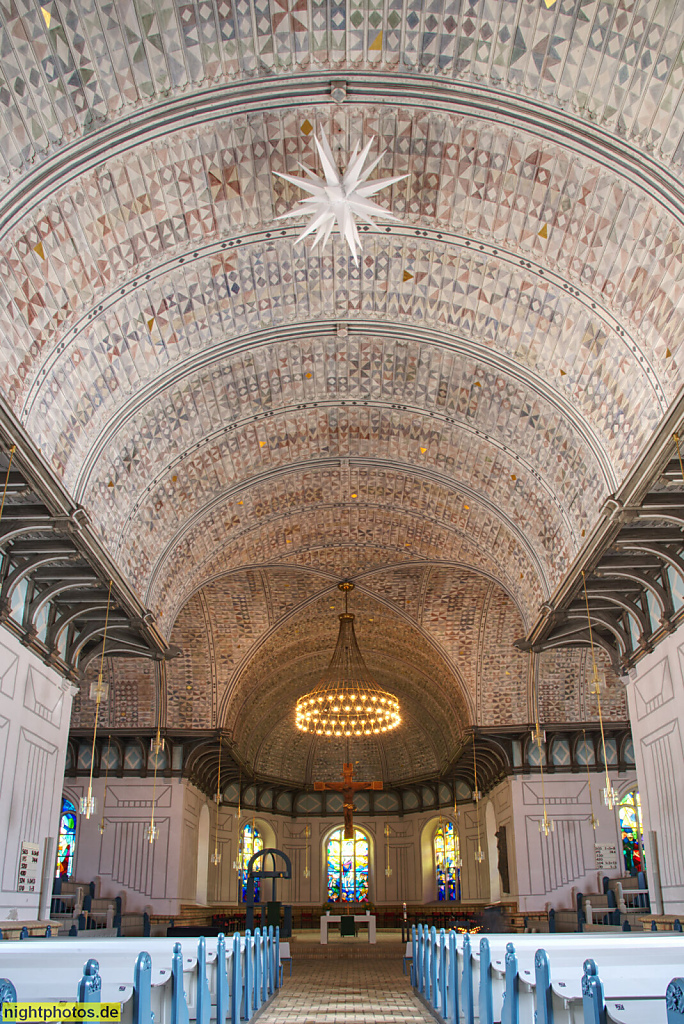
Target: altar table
[(327, 919)]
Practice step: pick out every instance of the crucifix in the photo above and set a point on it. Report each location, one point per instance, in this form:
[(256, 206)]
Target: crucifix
[(347, 787)]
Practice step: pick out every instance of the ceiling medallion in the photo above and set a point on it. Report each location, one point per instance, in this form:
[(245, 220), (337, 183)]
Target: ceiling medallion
[(341, 197), (347, 701)]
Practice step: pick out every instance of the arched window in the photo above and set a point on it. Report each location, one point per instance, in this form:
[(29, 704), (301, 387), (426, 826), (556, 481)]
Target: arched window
[(447, 862), (347, 867), (251, 843), (66, 844), (631, 826)]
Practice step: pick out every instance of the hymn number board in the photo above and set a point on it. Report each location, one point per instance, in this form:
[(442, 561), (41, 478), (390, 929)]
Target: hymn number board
[(606, 856), (28, 867)]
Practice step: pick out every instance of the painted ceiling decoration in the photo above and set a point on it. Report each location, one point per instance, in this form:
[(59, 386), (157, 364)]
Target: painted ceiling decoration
[(440, 404), (69, 69), (440, 638)]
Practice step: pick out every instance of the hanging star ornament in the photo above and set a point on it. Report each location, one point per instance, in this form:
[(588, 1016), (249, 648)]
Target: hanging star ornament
[(340, 198)]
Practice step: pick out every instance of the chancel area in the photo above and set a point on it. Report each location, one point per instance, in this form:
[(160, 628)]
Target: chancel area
[(342, 509)]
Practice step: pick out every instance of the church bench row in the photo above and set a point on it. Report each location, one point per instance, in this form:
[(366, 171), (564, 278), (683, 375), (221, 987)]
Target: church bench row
[(220, 982), (120, 955), (502, 982), (576, 944)]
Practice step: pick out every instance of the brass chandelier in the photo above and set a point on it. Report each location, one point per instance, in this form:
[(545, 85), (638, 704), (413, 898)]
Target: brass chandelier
[(347, 700)]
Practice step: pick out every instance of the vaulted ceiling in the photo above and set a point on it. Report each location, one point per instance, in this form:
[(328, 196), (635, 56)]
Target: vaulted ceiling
[(234, 409)]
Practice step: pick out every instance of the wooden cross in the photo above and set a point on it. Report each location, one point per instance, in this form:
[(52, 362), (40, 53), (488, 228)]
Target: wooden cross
[(347, 787)]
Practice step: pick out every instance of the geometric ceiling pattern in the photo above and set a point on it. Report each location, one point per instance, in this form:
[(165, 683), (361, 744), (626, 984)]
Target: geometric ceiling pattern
[(245, 421), (441, 638), (69, 68), (129, 389)]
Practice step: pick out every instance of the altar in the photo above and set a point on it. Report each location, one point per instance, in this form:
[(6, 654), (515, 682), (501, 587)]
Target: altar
[(328, 919)]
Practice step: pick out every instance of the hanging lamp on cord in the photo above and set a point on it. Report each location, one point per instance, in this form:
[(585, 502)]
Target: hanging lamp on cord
[(546, 825), (104, 794), (594, 819), (7, 477), (347, 700), (152, 830), (388, 833), (307, 836), (237, 863), (157, 743), (479, 855), (679, 454), (609, 793), (216, 856), (87, 803)]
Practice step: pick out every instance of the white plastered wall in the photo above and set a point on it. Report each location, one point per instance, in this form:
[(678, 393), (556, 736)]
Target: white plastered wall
[(551, 869), (542, 870), (35, 707), (163, 876)]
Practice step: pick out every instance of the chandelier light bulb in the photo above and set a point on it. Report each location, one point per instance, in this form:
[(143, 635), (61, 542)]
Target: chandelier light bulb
[(610, 796), (87, 805), (347, 689), (546, 825)]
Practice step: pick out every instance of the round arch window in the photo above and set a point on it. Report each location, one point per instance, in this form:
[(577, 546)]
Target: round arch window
[(347, 867)]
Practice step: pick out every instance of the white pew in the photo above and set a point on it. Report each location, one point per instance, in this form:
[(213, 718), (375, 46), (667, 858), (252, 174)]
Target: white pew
[(53, 985), (116, 958), (203, 981), (565, 951), (567, 955), (636, 993)]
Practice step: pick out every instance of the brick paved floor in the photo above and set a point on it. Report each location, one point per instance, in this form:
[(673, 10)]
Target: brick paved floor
[(368, 988)]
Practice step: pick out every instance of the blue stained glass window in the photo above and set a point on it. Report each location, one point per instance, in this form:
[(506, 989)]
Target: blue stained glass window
[(251, 844), (347, 868), (632, 828), (66, 844), (447, 862)]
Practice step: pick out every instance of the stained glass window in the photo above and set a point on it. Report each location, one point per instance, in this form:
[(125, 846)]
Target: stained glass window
[(251, 844), (632, 829), (347, 868), (66, 844), (447, 862)]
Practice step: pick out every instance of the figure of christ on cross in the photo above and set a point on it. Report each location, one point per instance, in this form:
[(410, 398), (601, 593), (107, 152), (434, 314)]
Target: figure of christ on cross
[(347, 787)]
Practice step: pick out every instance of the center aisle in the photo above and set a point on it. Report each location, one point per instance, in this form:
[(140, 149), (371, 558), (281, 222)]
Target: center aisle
[(350, 984)]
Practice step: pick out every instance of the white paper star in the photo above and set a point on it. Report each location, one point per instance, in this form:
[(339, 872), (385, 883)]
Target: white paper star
[(340, 197)]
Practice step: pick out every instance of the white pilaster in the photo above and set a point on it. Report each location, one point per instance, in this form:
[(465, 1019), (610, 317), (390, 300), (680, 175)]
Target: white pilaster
[(35, 707), (656, 709)]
